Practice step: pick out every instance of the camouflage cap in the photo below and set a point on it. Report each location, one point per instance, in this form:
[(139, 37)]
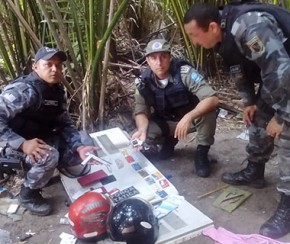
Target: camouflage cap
[(157, 45)]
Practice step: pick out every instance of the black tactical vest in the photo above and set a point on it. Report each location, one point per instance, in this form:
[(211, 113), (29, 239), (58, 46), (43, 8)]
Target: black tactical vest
[(42, 121), (171, 102), (228, 48)]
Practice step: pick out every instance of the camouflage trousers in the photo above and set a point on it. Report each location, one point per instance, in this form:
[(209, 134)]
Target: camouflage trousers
[(60, 156), (284, 160), (205, 127), (261, 146)]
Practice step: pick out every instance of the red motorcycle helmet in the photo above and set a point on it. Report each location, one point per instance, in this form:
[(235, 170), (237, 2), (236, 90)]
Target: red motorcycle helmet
[(88, 215)]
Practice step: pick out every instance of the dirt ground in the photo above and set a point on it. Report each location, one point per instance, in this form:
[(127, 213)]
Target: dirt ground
[(229, 153)]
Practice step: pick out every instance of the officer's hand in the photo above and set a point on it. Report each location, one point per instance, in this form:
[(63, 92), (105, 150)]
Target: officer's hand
[(248, 114), (35, 148), (274, 129), (83, 151), (182, 127)]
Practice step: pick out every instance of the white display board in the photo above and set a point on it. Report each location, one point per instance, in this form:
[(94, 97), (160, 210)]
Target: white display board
[(129, 169)]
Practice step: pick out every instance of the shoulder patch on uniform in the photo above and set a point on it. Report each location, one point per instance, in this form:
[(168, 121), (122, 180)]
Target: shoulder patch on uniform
[(184, 69), (256, 45), (9, 96), (196, 77)]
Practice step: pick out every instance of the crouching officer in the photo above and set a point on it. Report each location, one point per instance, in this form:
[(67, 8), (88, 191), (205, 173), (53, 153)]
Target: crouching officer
[(35, 122), (179, 98)]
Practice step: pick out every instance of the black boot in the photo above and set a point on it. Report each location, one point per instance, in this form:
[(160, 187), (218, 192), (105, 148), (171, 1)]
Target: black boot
[(167, 149), (202, 165), (252, 175), (279, 224), (33, 201)]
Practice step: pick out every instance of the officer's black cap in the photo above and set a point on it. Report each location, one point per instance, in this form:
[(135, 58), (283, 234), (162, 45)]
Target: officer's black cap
[(47, 53)]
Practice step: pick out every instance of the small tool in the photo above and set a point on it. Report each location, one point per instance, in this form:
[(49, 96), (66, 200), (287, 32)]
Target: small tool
[(232, 196)]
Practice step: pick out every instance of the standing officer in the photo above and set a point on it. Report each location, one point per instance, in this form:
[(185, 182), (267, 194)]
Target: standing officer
[(179, 97), (253, 40), (36, 127)]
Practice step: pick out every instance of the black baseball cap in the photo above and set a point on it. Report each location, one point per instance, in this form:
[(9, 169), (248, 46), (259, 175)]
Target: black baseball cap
[(47, 53)]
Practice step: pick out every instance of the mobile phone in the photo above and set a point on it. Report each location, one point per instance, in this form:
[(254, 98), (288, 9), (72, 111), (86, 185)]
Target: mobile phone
[(92, 178), (108, 179)]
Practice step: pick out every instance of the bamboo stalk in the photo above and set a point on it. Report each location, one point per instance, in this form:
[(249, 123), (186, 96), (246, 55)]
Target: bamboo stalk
[(65, 38), (59, 43), (213, 191), (24, 23), (105, 72)]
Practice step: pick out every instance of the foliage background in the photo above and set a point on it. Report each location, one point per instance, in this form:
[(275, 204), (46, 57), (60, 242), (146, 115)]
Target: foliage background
[(104, 40)]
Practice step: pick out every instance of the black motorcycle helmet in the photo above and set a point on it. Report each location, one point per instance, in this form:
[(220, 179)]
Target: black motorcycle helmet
[(133, 221)]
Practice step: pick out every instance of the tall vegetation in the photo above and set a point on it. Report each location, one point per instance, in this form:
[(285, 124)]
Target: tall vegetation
[(86, 31), (78, 27)]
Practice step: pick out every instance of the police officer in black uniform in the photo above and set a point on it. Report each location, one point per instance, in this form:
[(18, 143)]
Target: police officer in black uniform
[(253, 40), (35, 126)]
